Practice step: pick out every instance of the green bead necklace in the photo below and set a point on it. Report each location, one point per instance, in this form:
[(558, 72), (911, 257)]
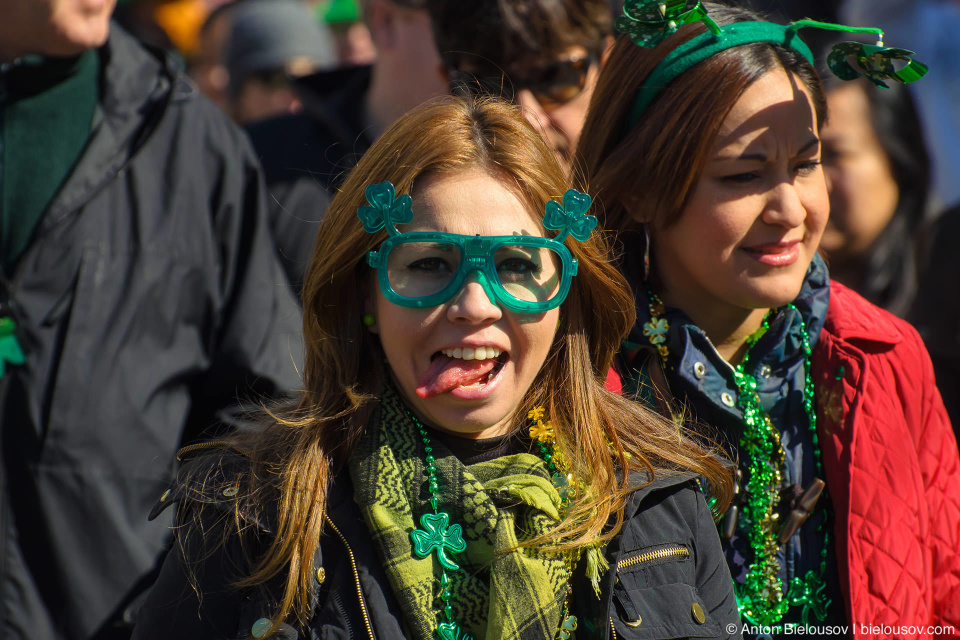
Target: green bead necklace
[(438, 535), (761, 597)]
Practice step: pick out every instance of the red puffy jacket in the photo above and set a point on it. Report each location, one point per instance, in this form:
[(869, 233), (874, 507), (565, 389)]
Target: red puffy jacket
[(893, 472)]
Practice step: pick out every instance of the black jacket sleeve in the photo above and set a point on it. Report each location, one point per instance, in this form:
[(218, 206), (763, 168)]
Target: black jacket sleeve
[(201, 562), (254, 343)]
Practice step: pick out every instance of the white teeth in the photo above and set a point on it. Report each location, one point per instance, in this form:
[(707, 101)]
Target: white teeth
[(467, 353)]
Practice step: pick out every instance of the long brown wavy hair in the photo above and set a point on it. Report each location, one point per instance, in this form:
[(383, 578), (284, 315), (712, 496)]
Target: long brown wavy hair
[(648, 173), (296, 457)]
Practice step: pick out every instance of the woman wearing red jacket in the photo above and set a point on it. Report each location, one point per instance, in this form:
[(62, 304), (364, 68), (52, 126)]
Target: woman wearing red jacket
[(702, 147)]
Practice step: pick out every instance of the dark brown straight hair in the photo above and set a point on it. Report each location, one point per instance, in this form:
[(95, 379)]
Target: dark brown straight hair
[(648, 173)]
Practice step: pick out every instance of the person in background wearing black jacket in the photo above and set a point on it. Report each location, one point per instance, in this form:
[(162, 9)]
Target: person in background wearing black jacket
[(305, 155), (936, 308), (140, 296), (455, 467)]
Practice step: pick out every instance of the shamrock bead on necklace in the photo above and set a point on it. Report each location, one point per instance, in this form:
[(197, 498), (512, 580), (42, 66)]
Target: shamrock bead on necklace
[(437, 535), (761, 597)]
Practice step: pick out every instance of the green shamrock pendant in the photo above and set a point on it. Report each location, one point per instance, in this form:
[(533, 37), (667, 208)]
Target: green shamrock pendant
[(876, 63), (567, 628), (451, 631), (809, 593), (438, 535), (10, 351)]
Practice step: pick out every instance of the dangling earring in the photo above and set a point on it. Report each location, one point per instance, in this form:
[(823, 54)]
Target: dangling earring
[(369, 320), (646, 252)]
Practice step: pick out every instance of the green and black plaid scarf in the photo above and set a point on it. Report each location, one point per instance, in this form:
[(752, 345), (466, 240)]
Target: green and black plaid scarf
[(496, 595)]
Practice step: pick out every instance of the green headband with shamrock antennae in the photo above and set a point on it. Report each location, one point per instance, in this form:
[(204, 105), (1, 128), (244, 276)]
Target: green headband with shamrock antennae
[(648, 23)]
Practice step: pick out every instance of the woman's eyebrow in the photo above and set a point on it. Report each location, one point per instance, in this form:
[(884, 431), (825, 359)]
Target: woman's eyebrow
[(811, 143), (762, 157)]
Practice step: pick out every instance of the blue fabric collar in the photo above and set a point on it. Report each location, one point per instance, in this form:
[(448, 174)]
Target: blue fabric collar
[(697, 371)]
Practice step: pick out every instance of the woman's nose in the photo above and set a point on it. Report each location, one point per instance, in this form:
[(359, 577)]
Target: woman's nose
[(784, 206), (474, 303)]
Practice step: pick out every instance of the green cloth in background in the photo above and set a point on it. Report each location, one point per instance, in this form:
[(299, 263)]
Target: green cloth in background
[(46, 110), (338, 11)]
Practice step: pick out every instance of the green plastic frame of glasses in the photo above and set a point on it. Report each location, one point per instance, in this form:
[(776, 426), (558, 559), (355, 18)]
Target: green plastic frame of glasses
[(477, 252)]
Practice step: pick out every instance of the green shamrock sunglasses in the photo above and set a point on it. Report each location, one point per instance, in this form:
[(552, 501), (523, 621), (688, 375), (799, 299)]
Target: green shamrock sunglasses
[(526, 274)]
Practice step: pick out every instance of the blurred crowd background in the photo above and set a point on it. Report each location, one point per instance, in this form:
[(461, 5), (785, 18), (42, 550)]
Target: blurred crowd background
[(316, 80)]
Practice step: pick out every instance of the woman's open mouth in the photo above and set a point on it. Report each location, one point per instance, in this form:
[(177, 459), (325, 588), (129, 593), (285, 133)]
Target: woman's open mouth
[(468, 373)]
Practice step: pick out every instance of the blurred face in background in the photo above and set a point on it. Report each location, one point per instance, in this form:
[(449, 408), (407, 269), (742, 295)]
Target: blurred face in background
[(52, 27), (354, 44), (559, 113), (407, 71), (863, 191), (207, 67), (265, 95), (554, 93)]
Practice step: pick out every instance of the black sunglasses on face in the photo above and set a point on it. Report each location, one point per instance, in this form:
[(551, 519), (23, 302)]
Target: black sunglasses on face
[(552, 84)]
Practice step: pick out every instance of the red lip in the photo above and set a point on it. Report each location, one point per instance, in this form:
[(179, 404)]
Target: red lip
[(775, 254)]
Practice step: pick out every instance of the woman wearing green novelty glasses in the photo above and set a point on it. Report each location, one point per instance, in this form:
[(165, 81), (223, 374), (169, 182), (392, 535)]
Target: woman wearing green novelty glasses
[(455, 467), (702, 145)]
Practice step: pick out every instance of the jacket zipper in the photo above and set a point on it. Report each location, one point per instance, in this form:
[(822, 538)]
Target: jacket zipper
[(659, 554), (356, 577), (208, 445), (666, 552)]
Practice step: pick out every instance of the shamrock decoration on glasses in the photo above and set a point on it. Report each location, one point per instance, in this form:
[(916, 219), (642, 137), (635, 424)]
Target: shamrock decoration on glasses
[(571, 218), (650, 22), (438, 535), (876, 62), (385, 210)]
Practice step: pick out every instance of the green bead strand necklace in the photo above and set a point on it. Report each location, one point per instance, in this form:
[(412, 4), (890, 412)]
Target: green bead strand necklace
[(438, 535), (761, 598)]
